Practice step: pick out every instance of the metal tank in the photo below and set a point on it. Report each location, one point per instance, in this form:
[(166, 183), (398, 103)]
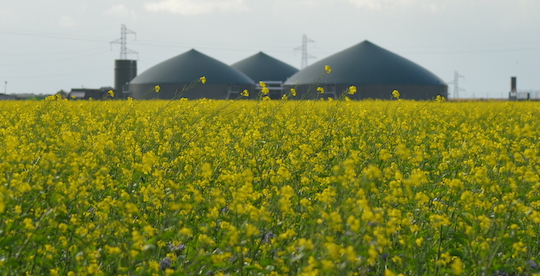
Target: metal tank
[(124, 71)]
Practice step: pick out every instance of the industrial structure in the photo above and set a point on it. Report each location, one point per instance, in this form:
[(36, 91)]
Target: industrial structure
[(179, 77), (262, 67), (303, 48), (374, 71), (124, 69), (521, 95)]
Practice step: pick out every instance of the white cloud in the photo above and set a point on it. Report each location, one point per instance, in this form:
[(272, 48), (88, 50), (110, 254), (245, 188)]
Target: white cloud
[(196, 7), (66, 21), (120, 10)]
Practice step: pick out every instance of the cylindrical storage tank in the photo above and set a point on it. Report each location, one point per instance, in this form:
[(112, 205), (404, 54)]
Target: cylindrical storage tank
[(124, 71), (178, 78), (374, 71)]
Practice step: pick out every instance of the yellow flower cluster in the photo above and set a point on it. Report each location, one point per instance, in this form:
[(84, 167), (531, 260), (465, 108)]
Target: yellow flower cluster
[(264, 89), (327, 69), (269, 187), (396, 94)]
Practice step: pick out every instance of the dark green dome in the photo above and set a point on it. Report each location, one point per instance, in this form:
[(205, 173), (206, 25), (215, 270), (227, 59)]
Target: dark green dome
[(262, 67), (175, 75), (366, 64), (190, 66)]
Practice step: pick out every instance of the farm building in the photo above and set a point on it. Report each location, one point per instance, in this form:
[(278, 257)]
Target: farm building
[(175, 77), (8, 97), (374, 71), (89, 93)]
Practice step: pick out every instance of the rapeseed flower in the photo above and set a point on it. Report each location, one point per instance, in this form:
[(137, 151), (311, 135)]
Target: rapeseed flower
[(2, 204), (439, 98), (320, 90), (457, 266), (308, 186), (396, 94), (293, 92), (157, 88), (328, 69), (351, 90), (203, 79)]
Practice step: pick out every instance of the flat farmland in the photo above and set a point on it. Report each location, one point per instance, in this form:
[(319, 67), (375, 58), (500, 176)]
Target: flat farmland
[(276, 187)]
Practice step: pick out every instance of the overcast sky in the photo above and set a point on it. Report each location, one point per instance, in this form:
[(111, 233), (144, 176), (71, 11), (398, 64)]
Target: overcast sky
[(49, 45)]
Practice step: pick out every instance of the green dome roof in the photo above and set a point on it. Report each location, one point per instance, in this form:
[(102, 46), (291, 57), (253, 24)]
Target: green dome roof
[(366, 64), (262, 67), (190, 66)]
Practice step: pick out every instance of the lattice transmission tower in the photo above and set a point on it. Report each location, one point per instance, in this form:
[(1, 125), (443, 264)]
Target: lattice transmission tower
[(124, 51), (456, 84), (303, 48)]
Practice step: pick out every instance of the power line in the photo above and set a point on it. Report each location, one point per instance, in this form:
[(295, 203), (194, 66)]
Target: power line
[(473, 51), (54, 60), (25, 54), (52, 35), (71, 73)]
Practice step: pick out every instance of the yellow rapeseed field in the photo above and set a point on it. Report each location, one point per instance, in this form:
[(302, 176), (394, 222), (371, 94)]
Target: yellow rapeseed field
[(276, 187)]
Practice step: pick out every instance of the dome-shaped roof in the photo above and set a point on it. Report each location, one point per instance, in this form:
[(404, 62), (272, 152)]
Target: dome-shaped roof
[(366, 64), (190, 66), (262, 67)]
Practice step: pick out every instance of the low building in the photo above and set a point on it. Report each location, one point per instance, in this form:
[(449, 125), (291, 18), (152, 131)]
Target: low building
[(4, 97), (89, 93)]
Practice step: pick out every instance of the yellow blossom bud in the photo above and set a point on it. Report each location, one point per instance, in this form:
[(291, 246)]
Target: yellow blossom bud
[(293, 92), (352, 90), (328, 69)]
